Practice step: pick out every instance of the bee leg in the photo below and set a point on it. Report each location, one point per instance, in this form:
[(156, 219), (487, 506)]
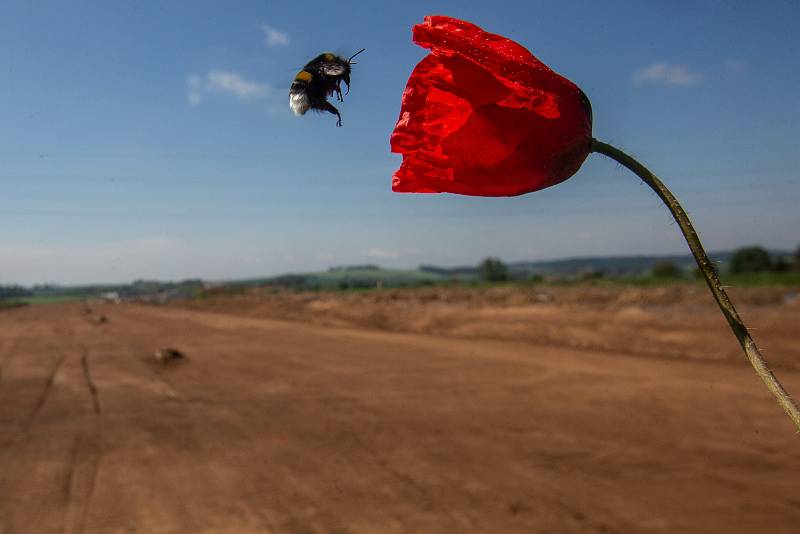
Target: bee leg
[(348, 88), (327, 106), (339, 96)]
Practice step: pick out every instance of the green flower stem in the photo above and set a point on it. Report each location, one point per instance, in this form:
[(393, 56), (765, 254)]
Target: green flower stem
[(739, 330)]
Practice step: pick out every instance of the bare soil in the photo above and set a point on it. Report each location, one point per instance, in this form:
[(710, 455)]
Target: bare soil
[(478, 413)]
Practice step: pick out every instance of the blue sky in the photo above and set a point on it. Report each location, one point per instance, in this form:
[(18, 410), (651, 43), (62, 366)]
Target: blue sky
[(154, 139)]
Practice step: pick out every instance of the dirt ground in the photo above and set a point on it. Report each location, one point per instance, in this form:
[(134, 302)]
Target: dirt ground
[(529, 414)]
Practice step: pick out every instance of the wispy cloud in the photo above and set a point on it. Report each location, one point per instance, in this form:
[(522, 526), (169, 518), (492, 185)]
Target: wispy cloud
[(274, 37), (218, 81), (666, 74), (230, 82)]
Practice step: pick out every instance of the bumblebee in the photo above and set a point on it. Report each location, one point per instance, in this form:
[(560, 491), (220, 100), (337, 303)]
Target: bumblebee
[(320, 78)]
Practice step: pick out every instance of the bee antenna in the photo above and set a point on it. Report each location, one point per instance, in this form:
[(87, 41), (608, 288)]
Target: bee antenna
[(354, 55)]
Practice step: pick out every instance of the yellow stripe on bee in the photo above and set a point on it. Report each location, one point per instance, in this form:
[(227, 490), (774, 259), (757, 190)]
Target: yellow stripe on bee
[(304, 76), (329, 56)]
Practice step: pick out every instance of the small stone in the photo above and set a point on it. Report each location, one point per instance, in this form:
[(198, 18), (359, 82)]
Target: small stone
[(167, 355)]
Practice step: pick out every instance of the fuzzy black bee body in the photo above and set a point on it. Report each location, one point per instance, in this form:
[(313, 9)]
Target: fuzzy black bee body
[(320, 78)]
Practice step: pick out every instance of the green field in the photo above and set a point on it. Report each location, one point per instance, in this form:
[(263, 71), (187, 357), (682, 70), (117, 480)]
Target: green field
[(50, 299)]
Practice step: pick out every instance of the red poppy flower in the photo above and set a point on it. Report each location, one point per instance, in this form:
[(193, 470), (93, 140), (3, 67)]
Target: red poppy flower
[(482, 116)]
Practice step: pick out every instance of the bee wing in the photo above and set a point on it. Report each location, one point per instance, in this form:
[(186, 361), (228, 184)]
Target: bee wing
[(332, 69)]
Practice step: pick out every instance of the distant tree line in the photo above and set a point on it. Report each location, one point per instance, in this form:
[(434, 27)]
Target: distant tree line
[(666, 269), (14, 292), (493, 270), (745, 260), (448, 271), (365, 267), (759, 260)]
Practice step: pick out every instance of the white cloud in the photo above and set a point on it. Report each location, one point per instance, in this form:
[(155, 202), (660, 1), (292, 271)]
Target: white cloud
[(736, 66), (230, 82), (666, 74), (218, 81), (273, 37)]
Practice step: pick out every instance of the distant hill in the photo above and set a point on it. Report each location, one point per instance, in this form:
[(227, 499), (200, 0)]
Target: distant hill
[(139, 289), (607, 265), (355, 277), (368, 276)]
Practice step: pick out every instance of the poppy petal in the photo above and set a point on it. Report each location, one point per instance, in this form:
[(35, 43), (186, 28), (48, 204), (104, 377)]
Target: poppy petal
[(481, 115)]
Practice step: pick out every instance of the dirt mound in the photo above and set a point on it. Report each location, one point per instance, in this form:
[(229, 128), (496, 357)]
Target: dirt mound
[(679, 321)]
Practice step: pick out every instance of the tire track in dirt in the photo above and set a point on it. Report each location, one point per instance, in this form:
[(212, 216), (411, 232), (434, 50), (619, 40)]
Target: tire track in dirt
[(48, 386), (69, 434), (81, 480), (460, 523), (6, 354), (87, 374), (85, 458)]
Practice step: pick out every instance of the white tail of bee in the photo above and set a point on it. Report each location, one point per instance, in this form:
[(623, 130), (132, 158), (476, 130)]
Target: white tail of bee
[(299, 103)]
